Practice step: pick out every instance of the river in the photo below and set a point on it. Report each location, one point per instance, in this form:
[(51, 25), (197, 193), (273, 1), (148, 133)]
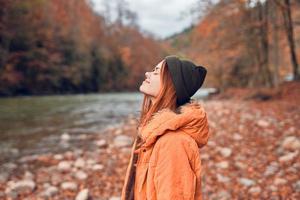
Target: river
[(30, 125)]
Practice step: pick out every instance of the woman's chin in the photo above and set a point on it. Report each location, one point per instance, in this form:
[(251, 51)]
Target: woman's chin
[(143, 90)]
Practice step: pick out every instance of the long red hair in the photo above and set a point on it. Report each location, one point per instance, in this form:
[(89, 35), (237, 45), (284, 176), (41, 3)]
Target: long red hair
[(166, 97)]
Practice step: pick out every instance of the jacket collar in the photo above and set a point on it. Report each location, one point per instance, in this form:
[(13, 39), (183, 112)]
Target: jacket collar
[(191, 120)]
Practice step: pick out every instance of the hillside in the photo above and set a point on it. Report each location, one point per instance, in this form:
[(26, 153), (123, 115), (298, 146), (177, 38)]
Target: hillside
[(226, 42)]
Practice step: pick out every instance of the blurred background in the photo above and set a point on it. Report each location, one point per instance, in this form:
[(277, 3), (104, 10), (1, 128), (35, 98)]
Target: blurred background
[(69, 77)]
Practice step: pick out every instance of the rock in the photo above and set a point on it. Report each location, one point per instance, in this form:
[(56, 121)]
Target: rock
[(58, 157), (211, 143), (82, 137), (64, 166), (204, 156), (10, 166), (91, 162), (50, 191), (246, 182), (81, 175), (118, 131), (262, 123), (2, 195), (223, 179), (46, 185), (4, 177), (291, 143), (101, 143), (97, 167), (122, 141), (65, 136), (255, 190), (29, 158), (64, 144), (272, 188), (296, 186), (240, 165), (69, 186), (78, 152), (126, 150), (288, 157), (271, 169), (225, 152), (28, 175), (79, 163), (222, 195), (82, 195), (115, 198), (222, 164), (280, 181), (14, 151), (237, 137), (23, 186), (69, 155), (56, 178)]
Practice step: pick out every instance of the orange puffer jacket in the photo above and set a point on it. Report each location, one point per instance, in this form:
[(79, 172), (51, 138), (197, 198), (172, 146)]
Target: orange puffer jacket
[(169, 165)]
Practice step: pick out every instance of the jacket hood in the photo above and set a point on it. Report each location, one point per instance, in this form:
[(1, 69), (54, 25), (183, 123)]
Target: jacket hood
[(191, 119)]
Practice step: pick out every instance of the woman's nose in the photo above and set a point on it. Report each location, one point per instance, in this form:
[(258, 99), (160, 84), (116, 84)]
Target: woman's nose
[(147, 74)]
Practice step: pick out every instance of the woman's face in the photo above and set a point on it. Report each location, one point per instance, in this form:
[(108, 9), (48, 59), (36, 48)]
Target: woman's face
[(151, 85)]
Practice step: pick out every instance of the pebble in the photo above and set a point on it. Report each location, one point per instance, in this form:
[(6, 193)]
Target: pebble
[(69, 186), (288, 157), (262, 123), (222, 195), (118, 131), (79, 163), (237, 137), (246, 182), (291, 143), (56, 179), (81, 175), (211, 143), (50, 191), (122, 141), (222, 179), (64, 166), (296, 186), (58, 157), (225, 152), (222, 164), (271, 169), (82, 195), (240, 165), (90, 162), (10, 166), (97, 167), (115, 198), (280, 181), (65, 136), (255, 190), (20, 186), (4, 177), (204, 156), (101, 143), (82, 137), (29, 158)]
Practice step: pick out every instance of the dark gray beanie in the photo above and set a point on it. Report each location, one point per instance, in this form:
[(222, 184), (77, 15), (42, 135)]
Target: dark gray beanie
[(186, 76)]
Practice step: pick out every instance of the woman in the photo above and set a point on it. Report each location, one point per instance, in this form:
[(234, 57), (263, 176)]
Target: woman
[(165, 163)]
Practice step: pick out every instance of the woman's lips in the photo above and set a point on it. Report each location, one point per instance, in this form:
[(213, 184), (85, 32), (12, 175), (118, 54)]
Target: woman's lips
[(146, 81)]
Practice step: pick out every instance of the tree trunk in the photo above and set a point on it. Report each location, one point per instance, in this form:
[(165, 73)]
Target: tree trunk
[(288, 23)]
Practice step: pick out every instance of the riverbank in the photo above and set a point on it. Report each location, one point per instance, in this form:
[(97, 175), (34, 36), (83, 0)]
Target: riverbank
[(253, 153)]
